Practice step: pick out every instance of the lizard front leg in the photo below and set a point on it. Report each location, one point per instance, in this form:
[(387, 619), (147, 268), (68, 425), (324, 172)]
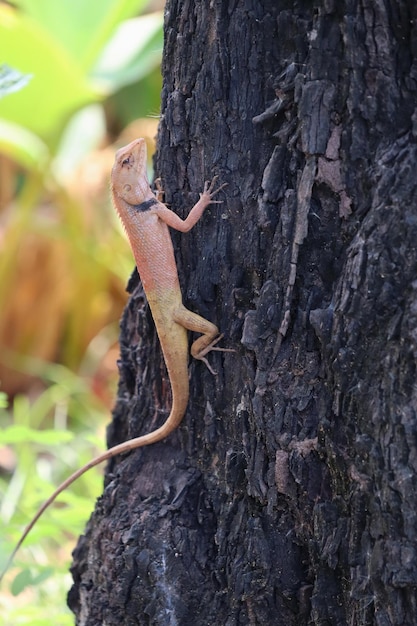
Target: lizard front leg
[(206, 198)]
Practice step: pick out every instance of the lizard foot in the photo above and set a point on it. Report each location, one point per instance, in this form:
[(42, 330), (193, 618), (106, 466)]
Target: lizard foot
[(212, 346), (210, 192), (159, 193)]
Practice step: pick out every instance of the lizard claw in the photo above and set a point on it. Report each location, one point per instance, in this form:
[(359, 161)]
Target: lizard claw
[(209, 348), (210, 191)]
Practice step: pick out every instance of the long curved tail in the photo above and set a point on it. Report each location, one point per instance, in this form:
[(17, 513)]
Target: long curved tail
[(173, 420)]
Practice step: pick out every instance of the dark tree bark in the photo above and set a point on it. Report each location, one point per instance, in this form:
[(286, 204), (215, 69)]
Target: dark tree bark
[(289, 493)]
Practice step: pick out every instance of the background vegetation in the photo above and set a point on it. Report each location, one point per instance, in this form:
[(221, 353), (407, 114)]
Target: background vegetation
[(77, 80)]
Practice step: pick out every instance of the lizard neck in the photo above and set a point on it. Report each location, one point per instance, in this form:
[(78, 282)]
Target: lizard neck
[(129, 212)]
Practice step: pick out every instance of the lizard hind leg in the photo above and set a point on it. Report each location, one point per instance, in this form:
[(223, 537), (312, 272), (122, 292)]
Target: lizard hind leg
[(210, 335)]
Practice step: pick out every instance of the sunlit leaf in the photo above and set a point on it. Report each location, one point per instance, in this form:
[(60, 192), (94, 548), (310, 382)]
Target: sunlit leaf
[(88, 123), (134, 50), (23, 146), (58, 86), (82, 27)]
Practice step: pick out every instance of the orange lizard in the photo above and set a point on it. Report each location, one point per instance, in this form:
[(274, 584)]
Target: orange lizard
[(146, 222)]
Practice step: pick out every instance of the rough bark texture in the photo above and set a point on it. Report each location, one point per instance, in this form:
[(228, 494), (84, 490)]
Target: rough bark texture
[(289, 493)]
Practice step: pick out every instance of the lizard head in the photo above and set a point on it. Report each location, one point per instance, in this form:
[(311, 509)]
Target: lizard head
[(129, 180)]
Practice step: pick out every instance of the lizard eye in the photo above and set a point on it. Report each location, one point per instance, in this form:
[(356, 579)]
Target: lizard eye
[(126, 161)]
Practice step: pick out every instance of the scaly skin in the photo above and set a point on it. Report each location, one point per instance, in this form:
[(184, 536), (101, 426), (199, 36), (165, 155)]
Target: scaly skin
[(146, 222)]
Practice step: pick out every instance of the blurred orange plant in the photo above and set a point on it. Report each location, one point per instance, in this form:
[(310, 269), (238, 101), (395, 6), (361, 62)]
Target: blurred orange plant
[(80, 92)]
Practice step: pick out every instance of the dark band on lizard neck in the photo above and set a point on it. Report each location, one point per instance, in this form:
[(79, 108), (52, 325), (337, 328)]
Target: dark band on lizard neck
[(144, 206)]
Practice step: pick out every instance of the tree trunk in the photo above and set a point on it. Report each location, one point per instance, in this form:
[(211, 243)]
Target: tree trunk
[(288, 495)]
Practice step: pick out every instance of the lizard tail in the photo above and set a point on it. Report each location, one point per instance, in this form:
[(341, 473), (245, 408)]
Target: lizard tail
[(177, 412)]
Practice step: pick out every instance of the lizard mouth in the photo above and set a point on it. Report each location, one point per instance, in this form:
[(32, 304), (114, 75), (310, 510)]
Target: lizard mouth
[(134, 155), (138, 148)]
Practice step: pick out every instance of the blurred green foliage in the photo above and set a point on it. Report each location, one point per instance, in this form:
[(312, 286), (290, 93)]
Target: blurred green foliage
[(74, 75), (78, 53)]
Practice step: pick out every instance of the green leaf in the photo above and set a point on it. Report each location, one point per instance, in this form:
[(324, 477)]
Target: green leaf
[(134, 50), (83, 134), (23, 146), (11, 80), (44, 574), (82, 27), (25, 579), (58, 87), (23, 434), (21, 581)]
